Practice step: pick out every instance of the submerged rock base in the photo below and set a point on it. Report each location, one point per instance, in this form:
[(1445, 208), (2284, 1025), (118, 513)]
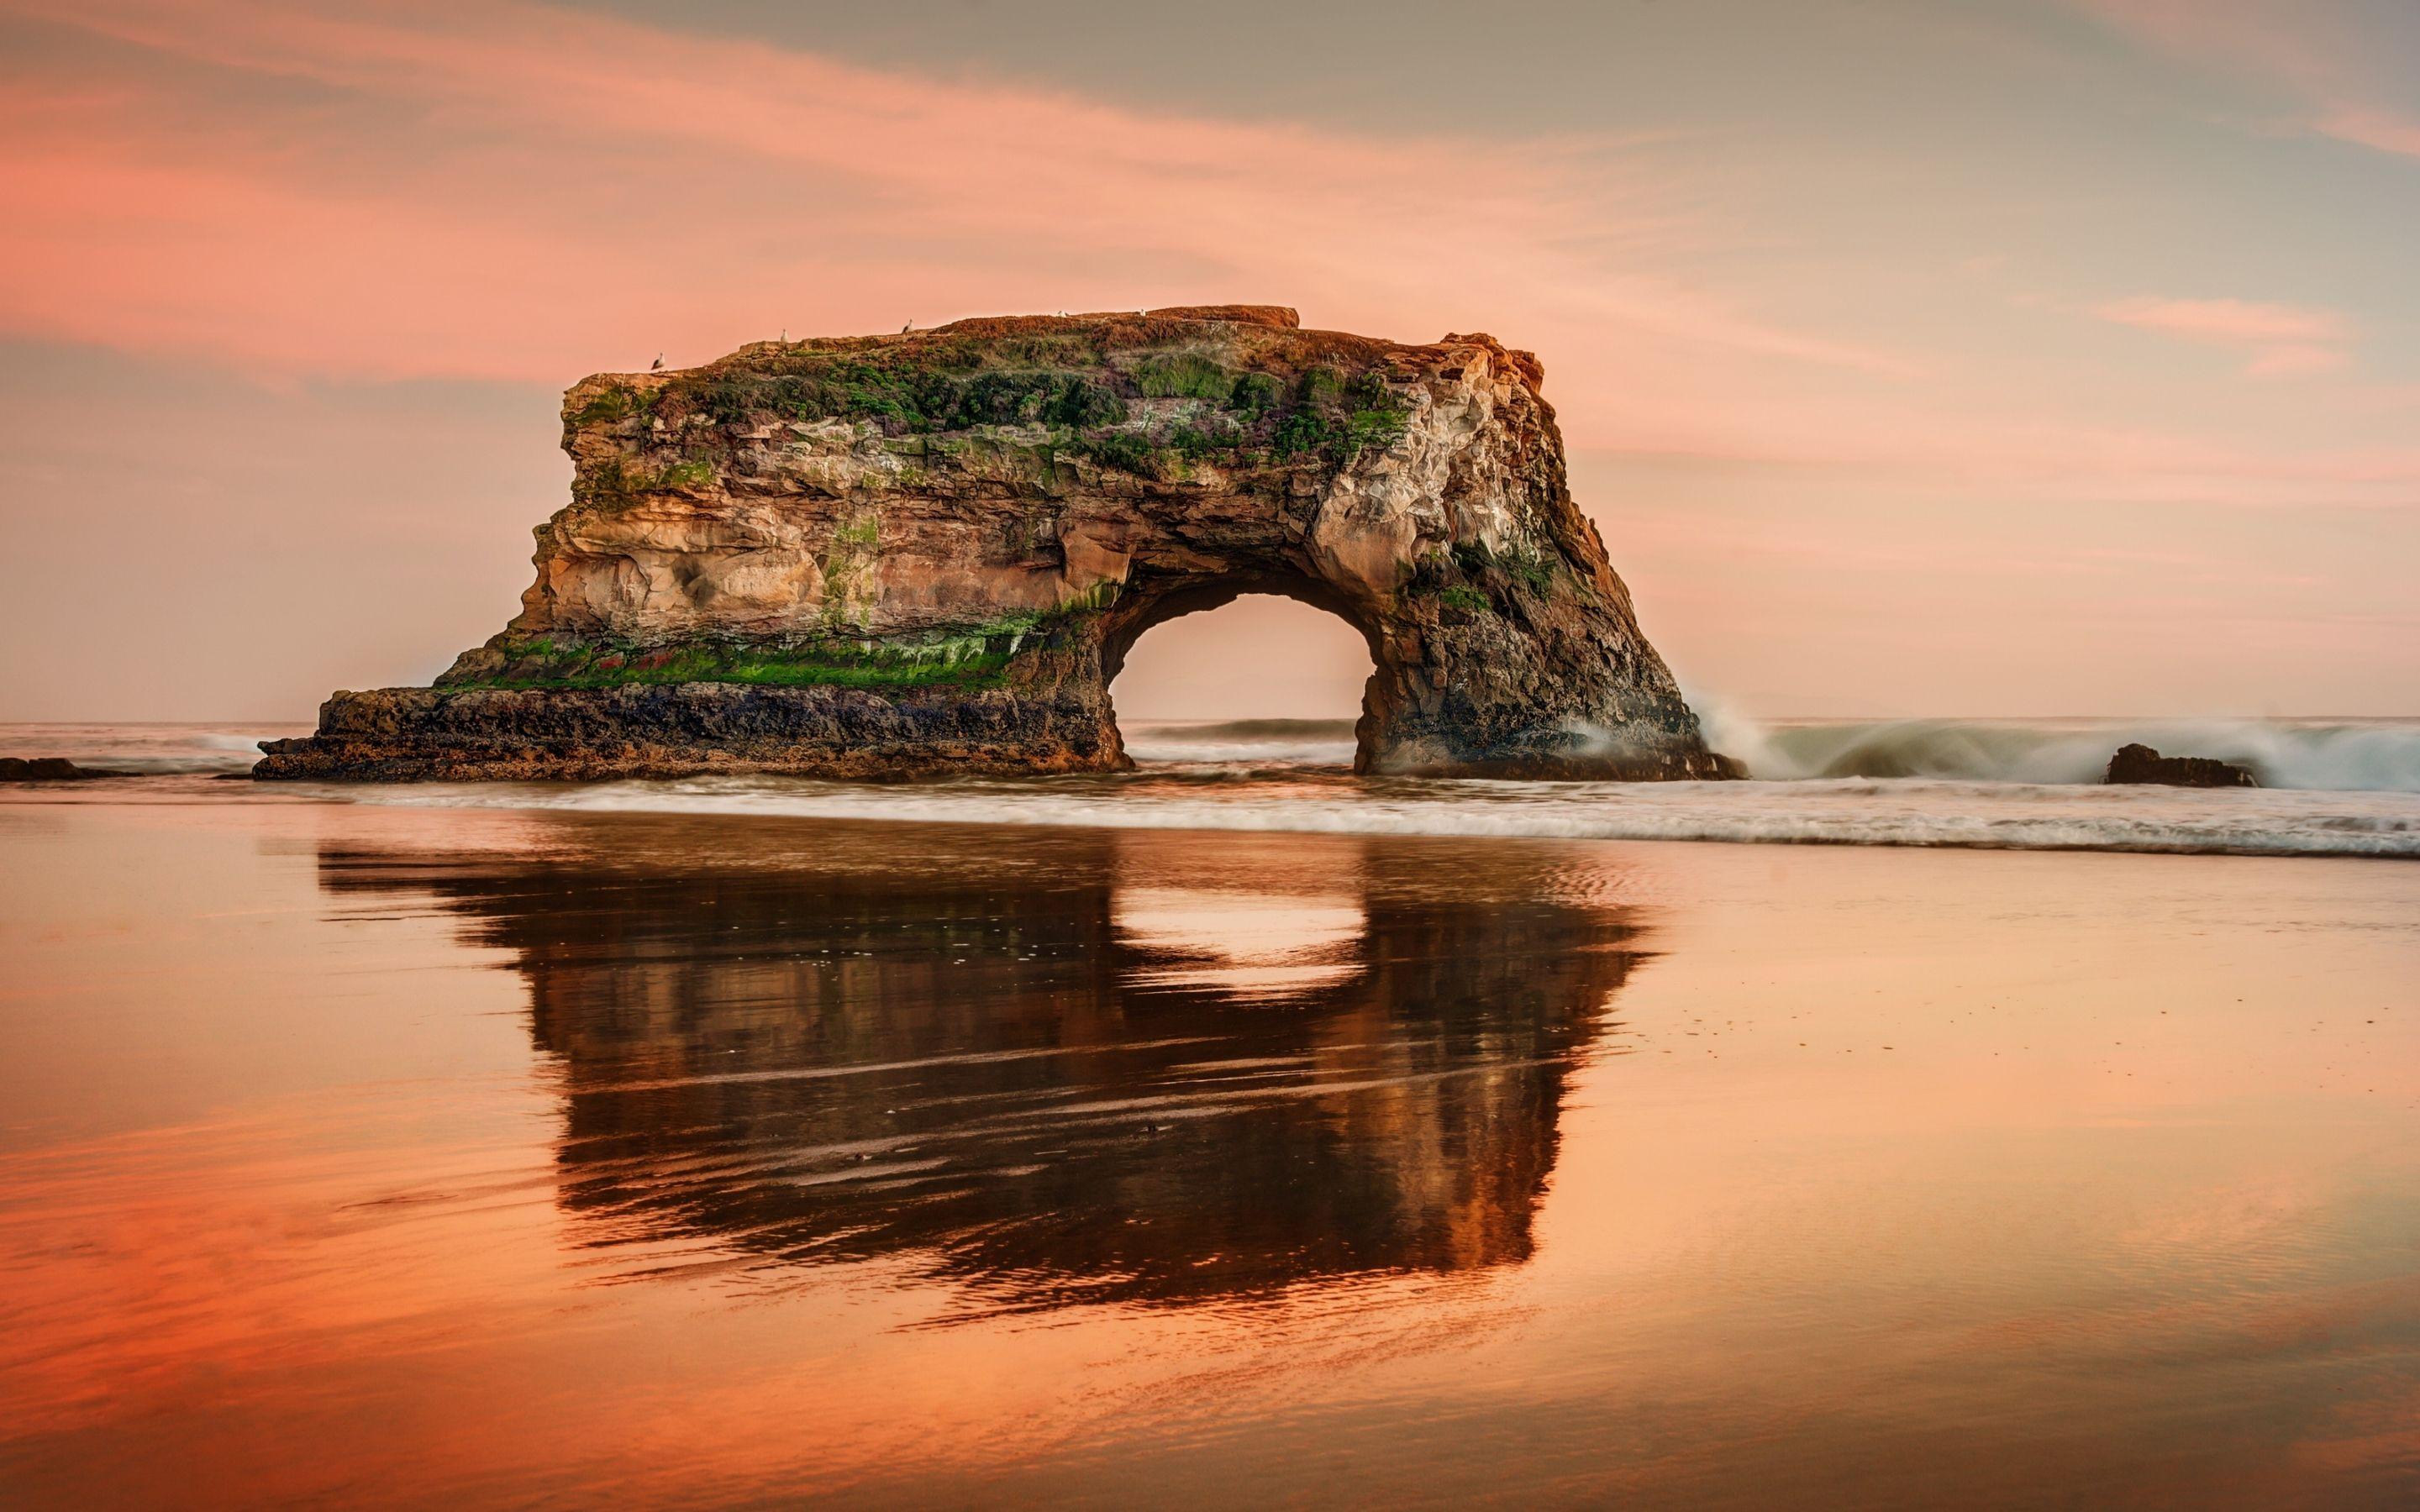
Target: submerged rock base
[(440, 735), (930, 552)]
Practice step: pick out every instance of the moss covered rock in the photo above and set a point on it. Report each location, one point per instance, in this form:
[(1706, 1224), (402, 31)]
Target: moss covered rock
[(990, 513)]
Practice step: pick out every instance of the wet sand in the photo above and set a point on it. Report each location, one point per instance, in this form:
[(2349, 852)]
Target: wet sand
[(387, 1155)]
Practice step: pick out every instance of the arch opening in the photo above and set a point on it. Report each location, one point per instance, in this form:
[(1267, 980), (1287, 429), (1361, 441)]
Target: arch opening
[(1216, 671)]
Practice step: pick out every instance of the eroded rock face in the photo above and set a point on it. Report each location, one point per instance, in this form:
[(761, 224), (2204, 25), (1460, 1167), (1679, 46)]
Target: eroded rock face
[(932, 551)]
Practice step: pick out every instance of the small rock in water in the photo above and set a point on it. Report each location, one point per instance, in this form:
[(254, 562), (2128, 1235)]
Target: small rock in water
[(2141, 763), (47, 769)]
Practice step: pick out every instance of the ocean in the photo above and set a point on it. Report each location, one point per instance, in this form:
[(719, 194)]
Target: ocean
[(2329, 787)]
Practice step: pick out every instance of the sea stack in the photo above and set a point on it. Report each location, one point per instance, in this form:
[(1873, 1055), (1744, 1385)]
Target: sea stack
[(929, 553)]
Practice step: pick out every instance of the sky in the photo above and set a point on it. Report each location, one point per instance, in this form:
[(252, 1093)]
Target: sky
[(1967, 357)]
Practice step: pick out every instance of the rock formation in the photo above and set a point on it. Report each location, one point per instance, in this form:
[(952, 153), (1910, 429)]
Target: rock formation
[(931, 552), (49, 769), (2141, 763)]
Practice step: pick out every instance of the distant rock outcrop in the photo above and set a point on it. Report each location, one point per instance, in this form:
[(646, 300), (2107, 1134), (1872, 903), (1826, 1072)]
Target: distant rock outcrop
[(49, 769), (931, 552), (2141, 763)]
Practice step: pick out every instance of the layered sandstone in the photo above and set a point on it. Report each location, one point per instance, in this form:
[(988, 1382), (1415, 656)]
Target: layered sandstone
[(931, 552)]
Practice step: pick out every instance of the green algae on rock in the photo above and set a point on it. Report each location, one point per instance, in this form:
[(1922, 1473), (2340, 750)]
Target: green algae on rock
[(930, 552)]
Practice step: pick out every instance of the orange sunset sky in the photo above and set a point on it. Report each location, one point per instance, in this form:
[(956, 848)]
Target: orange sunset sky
[(2003, 357)]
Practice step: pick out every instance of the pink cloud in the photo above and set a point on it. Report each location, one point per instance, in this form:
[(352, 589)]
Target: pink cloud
[(2230, 321), (2382, 131), (547, 194), (574, 189), (2280, 340), (2294, 361)]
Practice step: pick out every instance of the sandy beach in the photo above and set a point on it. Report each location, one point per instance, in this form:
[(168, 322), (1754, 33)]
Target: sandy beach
[(400, 1155)]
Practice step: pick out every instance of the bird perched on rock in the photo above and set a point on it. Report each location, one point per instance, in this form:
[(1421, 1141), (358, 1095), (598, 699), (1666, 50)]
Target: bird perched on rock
[(908, 327), (657, 365)]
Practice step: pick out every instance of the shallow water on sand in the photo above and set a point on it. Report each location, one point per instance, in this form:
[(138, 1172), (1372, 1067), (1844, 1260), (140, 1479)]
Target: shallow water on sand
[(385, 1156)]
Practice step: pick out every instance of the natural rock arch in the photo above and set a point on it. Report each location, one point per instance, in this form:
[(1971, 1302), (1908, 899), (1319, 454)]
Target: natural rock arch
[(931, 552)]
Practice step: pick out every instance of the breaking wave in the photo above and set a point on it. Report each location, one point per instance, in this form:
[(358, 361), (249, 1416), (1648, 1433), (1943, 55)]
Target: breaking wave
[(149, 749), (2321, 755)]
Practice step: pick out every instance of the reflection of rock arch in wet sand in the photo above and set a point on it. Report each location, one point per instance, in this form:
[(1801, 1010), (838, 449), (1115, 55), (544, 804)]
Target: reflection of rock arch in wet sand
[(965, 1046)]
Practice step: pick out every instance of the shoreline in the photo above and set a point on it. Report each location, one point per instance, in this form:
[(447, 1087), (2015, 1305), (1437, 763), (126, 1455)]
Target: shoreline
[(357, 1139), (1310, 800)]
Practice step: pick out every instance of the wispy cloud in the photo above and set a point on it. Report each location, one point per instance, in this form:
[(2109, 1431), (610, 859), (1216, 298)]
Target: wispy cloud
[(523, 192), (2277, 340), (548, 187), (2308, 50), (2385, 132)]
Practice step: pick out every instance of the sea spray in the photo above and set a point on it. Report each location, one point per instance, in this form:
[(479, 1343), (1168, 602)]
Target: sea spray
[(1732, 730), (2344, 756), (152, 749)]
